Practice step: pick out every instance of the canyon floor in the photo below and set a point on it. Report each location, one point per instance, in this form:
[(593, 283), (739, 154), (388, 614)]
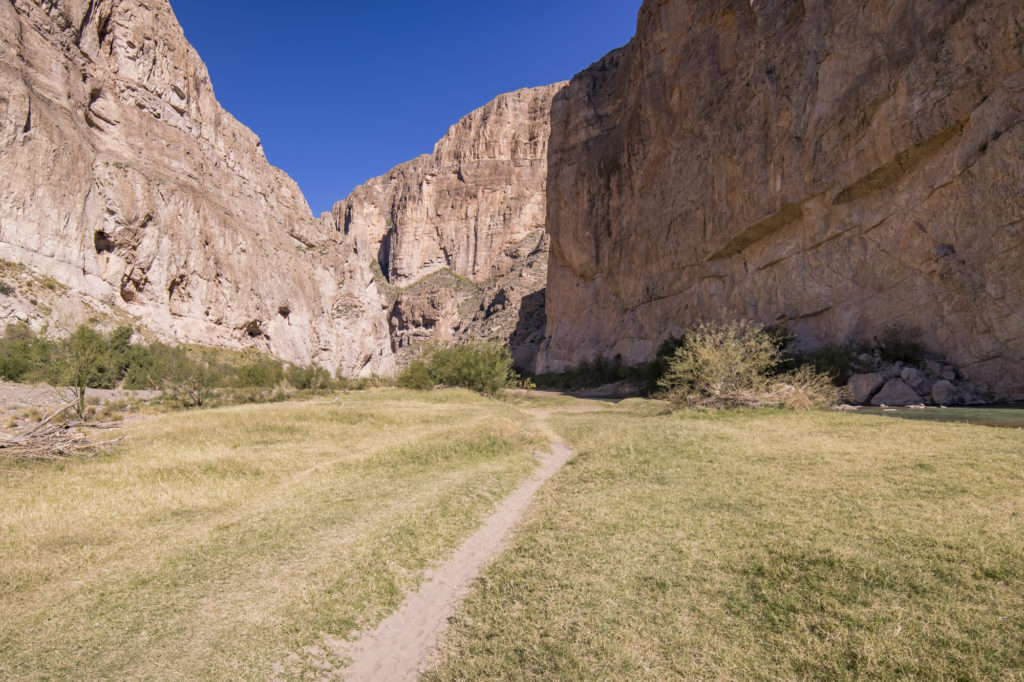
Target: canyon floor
[(276, 541)]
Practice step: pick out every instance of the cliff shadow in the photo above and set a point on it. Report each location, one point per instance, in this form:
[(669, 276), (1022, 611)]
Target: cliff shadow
[(525, 340)]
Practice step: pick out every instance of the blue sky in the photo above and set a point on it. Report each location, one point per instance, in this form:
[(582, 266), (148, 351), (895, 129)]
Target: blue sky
[(342, 91)]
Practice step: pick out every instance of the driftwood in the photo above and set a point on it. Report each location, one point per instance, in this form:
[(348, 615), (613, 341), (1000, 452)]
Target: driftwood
[(50, 439)]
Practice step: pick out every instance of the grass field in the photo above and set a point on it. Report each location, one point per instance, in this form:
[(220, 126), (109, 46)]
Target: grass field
[(249, 542), (762, 545), (226, 544)]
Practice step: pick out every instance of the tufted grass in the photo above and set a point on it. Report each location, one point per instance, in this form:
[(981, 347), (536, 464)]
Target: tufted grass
[(759, 545), (231, 543)]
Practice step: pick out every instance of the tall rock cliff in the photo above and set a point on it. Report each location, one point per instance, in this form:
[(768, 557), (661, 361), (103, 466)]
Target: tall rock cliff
[(459, 234), (123, 179), (836, 167)]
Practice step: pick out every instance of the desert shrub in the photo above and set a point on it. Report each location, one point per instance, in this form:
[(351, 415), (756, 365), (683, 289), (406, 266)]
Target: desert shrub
[(148, 366), (802, 389), (735, 364), (482, 367), (416, 376), (719, 360), (6, 289), (258, 374), (308, 378), (119, 350), (249, 396), (187, 381), (20, 352), (901, 344)]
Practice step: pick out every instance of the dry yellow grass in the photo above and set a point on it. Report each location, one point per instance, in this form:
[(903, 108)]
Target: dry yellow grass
[(226, 544), (759, 545)]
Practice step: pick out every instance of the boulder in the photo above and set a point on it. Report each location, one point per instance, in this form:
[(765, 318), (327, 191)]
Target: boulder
[(944, 393), (896, 393), (862, 386), (912, 378)]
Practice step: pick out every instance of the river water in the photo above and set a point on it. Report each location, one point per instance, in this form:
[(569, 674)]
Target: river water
[(1009, 415)]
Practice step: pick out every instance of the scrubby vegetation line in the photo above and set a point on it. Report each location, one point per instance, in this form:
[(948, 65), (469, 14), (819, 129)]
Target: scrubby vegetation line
[(185, 375)]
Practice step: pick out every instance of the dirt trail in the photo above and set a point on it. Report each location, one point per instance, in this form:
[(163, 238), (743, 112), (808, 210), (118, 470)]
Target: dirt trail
[(401, 646)]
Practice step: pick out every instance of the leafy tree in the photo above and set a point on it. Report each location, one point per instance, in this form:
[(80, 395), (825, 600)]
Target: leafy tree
[(82, 362)]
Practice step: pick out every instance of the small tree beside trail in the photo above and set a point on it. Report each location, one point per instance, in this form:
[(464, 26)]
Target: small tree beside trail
[(80, 362)]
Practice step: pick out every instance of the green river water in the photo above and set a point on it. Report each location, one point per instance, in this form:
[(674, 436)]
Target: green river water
[(1005, 416)]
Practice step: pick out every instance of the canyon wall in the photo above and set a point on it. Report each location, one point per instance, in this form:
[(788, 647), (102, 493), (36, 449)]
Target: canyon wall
[(125, 181), (835, 167), (459, 234)]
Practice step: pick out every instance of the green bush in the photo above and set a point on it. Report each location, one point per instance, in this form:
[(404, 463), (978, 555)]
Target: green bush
[(21, 353), (718, 360), (184, 379), (258, 374), (308, 378), (416, 376), (735, 364), (482, 367)]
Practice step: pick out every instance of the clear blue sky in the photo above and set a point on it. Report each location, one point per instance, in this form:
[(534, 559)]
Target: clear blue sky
[(340, 91)]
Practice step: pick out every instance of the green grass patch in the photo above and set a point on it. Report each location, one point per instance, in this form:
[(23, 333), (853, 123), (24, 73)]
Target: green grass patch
[(765, 545)]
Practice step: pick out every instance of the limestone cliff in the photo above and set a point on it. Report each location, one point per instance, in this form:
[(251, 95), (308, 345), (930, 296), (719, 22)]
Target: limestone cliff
[(123, 179), (459, 234), (837, 167)]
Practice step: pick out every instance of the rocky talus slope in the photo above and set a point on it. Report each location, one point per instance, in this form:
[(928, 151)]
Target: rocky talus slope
[(458, 235), (835, 167), (125, 181)]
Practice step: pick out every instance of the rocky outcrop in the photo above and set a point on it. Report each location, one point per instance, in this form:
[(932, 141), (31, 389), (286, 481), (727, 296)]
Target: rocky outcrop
[(459, 234), (124, 180), (833, 167)]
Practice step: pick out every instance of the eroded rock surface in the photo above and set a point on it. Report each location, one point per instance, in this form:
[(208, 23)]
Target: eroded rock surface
[(834, 167), (459, 234), (125, 180)]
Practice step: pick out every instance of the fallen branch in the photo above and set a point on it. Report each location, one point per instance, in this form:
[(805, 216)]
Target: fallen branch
[(49, 441)]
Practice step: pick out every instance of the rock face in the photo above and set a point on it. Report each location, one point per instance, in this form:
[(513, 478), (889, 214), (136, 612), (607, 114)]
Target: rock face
[(124, 180), (833, 167), (459, 234)]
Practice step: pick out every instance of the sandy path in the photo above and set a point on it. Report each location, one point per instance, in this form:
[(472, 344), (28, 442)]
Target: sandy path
[(401, 646)]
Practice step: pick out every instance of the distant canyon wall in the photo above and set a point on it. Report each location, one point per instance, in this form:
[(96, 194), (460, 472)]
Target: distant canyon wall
[(125, 180), (459, 234), (835, 167)]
